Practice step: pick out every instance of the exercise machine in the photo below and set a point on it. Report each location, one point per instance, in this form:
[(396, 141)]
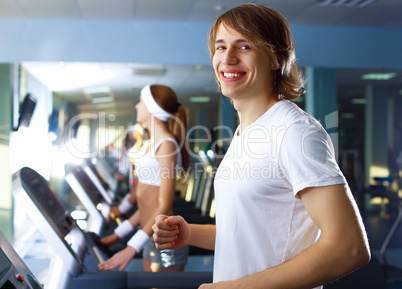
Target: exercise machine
[(14, 274), (78, 253), (92, 195)]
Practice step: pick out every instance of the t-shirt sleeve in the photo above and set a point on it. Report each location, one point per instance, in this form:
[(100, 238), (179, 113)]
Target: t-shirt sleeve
[(307, 157)]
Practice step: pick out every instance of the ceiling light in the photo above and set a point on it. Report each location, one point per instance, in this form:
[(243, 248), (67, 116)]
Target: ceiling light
[(70, 75), (149, 71), (105, 105), (97, 90), (200, 99), (102, 94), (358, 101), (379, 76), (345, 3), (219, 7), (102, 99), (363, 4)]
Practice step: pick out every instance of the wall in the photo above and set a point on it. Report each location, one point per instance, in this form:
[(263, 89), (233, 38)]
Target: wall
[(5, 127), (183, 43), (30, 147)]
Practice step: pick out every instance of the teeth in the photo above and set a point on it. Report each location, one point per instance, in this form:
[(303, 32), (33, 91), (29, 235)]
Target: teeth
[(231, 75)]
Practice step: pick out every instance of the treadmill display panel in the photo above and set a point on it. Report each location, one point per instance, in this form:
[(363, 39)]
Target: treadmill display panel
[(43, 194)]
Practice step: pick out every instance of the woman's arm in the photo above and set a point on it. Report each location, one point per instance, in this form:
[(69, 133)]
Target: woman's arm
[(122, 230), (342, 248), (135, 218)]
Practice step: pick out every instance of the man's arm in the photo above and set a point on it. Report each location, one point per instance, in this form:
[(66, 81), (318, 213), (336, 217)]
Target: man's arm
[(172, 232), (342, 248), (203, 236)]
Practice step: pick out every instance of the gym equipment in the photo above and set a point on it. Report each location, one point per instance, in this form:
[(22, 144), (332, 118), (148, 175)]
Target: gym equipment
[(14, 274), (74, 267), (91, 194)]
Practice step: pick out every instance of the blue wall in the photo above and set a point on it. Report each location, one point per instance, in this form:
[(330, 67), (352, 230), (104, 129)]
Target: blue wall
[(171, 42), (348, 47)]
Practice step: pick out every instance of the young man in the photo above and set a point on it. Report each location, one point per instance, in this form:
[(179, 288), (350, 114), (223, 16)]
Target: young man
[(285, 217)]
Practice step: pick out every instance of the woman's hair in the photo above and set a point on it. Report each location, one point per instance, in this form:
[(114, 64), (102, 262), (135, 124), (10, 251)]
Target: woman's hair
[(167, 99), (268, 32)]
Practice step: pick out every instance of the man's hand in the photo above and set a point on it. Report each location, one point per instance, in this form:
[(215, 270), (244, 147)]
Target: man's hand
[(170, 232)]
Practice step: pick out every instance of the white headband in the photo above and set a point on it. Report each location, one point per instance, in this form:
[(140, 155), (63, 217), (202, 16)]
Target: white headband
[(152, 106)]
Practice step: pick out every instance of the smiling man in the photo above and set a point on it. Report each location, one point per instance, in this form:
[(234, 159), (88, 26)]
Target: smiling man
[(288, 218)]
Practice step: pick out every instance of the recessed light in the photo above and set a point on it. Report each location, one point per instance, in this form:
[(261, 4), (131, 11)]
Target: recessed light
[(347, 115), (97, 90), (379, 76), (105, 105), (102, 99), (200, 99), (219, 7), (358, 101), (149, 71)]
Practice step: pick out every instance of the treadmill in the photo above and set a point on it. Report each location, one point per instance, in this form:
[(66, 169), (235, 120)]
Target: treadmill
[(107, 173), (92, 196), (14, 274), (94, 174), (75, 266)]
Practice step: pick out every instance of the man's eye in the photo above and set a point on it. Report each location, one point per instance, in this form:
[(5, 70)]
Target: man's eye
[(244, 47), (220, 48)]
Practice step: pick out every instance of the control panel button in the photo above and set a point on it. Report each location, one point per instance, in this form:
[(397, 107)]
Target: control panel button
[(19, 277)]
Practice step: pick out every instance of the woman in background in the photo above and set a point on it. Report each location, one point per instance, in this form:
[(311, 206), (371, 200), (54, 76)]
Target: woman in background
[(156, 165)]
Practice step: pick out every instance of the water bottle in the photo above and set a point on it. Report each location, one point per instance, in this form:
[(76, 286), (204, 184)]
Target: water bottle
[(167, 257)]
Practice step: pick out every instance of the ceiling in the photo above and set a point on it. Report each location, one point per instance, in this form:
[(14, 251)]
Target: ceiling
[(124, 79), (374, 13)]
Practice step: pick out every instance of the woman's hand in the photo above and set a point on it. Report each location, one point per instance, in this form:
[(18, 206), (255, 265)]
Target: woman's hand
[(121, 258), (115, 212)]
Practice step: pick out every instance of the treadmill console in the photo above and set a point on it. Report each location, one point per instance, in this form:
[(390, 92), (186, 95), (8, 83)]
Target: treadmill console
[(46, 210), (53, 220), (90, 196), (105, 185), (48, 201), (89, 187), (14, 274)]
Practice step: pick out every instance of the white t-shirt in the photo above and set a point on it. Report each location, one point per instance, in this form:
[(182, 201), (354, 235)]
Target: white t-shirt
[(260, 221)]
